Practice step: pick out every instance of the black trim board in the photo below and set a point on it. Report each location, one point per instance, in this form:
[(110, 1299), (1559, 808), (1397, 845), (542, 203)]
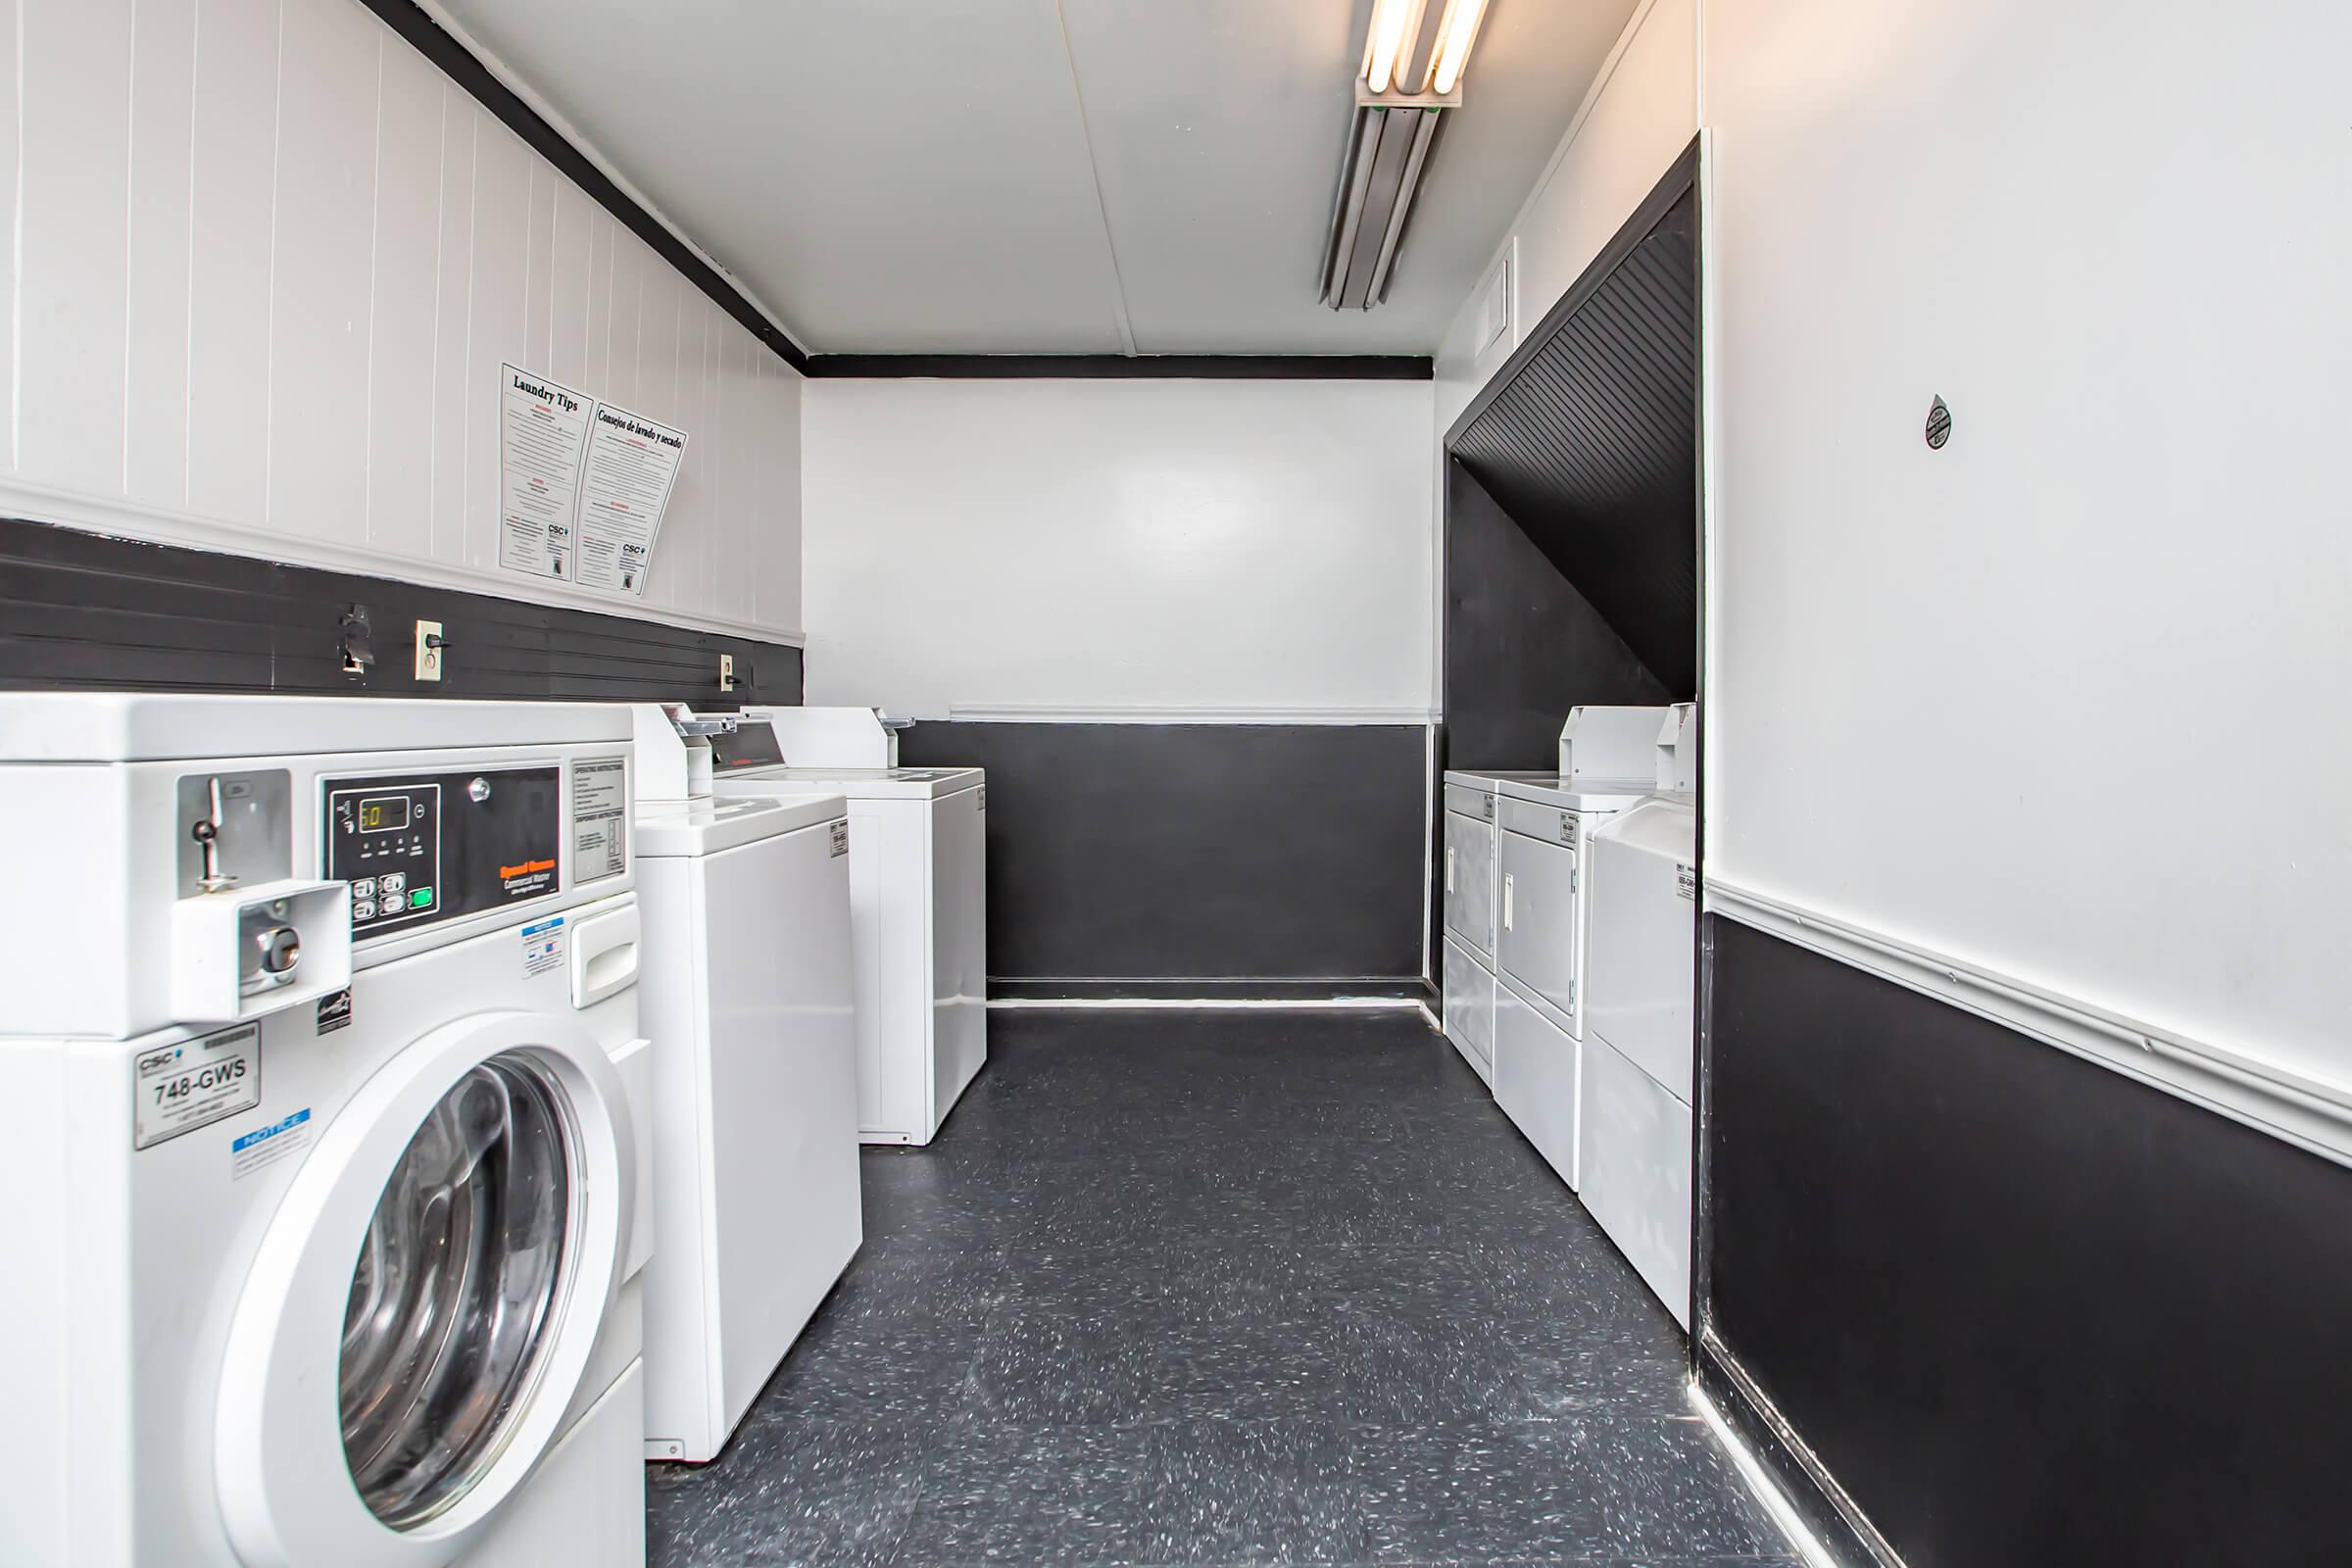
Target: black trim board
[(1404, 992), (1127, 366), (1130, 853), (460, 64), (2023, 1309), (83, 612)]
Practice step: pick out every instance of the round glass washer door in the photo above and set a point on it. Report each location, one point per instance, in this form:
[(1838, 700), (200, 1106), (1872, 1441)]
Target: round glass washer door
[(456, 1290), (426, 1298)]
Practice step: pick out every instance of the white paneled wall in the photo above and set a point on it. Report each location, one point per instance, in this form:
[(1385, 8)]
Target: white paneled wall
[(266, 261)]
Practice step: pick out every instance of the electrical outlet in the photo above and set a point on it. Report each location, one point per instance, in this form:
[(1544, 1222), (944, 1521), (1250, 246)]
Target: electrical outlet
[(726, 672), (429, 650)]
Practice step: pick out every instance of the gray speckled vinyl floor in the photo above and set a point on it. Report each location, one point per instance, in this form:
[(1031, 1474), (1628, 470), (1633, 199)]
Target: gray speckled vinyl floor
[(1222, 1288)]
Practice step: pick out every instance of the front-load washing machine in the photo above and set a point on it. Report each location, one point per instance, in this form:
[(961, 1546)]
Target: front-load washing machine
[(747, 996), (325, 1137), (918, 910)]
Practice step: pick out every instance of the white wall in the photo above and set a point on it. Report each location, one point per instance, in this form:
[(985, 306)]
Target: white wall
[(1137, 547), (2063, 701), (267, 263)]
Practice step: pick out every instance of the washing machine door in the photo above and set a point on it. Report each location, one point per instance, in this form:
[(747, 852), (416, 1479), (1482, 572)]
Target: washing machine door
[(424, 1302)]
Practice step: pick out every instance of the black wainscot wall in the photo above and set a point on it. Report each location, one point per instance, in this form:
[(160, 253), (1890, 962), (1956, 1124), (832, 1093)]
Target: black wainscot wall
[(85, 612), (1196, 860)]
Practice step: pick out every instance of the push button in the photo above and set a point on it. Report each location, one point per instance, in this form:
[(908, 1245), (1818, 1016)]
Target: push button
[(395, 884), (363, 888), (362, 909), (421, 898)]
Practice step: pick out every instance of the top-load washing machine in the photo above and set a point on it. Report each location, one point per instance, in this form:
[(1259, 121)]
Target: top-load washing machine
[(918, 901), (746, 995), (1607, 763), (325, 1134)]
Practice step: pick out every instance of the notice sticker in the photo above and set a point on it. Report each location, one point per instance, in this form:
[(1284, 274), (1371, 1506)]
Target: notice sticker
[(264, 1147), (841, 838), (545, 945), (177, 1088), (334, 1011)]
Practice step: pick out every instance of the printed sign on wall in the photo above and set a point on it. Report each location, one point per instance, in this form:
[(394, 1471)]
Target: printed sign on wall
[(582, 484)]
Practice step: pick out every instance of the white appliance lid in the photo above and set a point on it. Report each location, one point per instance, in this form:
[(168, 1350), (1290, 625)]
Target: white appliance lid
[(710, 824), (857, 783), (1579, 795), (157, 726)]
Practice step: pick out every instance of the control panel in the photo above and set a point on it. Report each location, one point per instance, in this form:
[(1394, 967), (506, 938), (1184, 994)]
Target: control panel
[(752, 744), (414, 849)]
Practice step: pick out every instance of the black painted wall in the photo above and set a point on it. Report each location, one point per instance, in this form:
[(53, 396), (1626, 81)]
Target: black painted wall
[(2025, 1309), (1195, 858), (79, 610), (1522, 646)]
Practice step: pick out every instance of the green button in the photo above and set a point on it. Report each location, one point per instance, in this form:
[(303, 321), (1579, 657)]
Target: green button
[(421, 897)]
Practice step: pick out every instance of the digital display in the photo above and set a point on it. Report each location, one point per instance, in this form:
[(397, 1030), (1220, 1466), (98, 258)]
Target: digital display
[(383, 814)]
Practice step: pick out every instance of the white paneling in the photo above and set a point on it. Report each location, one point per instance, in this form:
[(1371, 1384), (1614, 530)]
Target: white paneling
[(2058, 701), (163, 75), (233, 164), (630, 259), (272, 260), (598, 370), (1118, 545), (501, 204), (7, 241), (402, 330), (452, 322), (685, 536), (777, 547), (539, 265), (568, 268), (327, 85), (74, 185)]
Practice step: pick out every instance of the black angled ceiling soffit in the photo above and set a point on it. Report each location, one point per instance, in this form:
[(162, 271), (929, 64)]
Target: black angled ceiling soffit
[(1588, 439), (457, 62)]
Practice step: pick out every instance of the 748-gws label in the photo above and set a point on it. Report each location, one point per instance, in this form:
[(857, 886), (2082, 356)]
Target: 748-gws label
[(179, 1088)]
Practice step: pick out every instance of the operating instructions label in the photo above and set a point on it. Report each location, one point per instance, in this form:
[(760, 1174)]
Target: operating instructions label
[(599, 827)]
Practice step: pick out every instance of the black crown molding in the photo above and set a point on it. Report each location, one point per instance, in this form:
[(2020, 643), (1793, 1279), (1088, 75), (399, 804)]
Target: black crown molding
[(1127, 366)]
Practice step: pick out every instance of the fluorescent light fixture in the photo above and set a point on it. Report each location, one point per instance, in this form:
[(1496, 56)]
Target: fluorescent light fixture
[(1458, 30), (1389, 141)]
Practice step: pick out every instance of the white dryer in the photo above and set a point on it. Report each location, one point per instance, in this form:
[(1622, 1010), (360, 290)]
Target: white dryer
[(747, 996), (336, 1274), (918, 907)]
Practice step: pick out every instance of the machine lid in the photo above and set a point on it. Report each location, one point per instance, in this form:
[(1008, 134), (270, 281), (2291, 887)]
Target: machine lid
[(425, 1300), (1581, 794), (159, 726), (861, 783), (711, 823)]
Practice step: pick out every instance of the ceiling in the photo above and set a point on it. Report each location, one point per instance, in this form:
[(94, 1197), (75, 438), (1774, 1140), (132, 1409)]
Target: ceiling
[(1044, 177)]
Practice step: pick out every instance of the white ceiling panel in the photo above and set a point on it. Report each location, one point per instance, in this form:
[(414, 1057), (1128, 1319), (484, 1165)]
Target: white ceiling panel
[(1218, 126), (1028, 177)]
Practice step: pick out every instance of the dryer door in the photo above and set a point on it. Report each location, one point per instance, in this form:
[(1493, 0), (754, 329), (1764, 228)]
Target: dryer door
[(425, 1300)]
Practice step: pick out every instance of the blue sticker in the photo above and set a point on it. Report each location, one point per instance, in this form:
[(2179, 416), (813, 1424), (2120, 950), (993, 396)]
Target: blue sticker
[(262, 1135)]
